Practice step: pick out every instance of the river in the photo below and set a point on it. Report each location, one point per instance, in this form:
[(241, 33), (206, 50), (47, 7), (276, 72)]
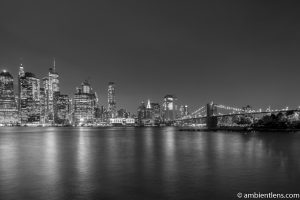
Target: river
[(144, 163)]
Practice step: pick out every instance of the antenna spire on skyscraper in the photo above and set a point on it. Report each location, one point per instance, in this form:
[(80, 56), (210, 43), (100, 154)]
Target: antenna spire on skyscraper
[(148, 104), (21, 68), (54, 65), (21, 62)]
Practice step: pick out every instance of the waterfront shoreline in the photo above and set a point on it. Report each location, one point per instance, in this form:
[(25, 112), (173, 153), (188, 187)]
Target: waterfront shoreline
[(203, 129), (240, 129)]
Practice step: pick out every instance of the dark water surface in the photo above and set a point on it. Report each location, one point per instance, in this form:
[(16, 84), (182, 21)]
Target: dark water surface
[(144, 163)]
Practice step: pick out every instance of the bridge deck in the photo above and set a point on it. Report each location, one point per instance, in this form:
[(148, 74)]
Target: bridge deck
[(236, 114)]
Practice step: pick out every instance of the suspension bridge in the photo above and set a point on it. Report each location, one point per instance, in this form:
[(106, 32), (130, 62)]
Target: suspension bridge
[(213, 115)]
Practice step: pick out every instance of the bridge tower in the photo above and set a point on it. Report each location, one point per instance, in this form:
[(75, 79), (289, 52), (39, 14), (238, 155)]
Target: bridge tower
[(211, 120)]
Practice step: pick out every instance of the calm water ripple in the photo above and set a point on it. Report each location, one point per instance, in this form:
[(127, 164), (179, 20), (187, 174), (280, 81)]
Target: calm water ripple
[(144, 163)]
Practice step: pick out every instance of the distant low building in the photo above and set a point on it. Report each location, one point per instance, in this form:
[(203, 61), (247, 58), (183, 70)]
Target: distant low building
[(122, 113), (122, 121)]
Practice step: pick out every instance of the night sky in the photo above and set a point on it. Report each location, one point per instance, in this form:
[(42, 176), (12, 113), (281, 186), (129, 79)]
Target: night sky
[(232, 52)]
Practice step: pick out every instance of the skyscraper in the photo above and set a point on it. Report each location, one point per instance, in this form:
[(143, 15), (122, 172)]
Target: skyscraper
[(149, 115), (111, 108), (169, 108), (149, 110), (85, 102), (51, 86), (43, 105), (62, 109), (156, 112), (29, 98), (21, 74), (141, 113), (8, 106)]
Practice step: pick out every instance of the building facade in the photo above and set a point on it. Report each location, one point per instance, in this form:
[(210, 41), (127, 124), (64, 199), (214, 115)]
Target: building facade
[(141, 113), (169, 108), (29, 108), (62, 109), (43, 105), (149, 115), (111, 98), (21, 74), (8, 104), (156, 113), (85, 103), (51, 87)]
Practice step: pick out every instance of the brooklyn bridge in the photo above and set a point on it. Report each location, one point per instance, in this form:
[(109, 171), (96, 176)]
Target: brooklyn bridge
[(214, 115)]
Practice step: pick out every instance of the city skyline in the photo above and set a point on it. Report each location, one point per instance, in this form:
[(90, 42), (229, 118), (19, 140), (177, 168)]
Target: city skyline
[(39, 102), (43, 104), (238, 54), (103, 95)]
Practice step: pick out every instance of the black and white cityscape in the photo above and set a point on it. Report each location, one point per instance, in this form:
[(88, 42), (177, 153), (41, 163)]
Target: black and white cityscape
[(39, 102), (149, 100)]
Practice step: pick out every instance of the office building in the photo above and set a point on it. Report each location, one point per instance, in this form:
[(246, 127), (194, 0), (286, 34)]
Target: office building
[(51, 86), (62, 109), (169, 108), (111, 107), (8, 105), (85, 103), (29, 108)]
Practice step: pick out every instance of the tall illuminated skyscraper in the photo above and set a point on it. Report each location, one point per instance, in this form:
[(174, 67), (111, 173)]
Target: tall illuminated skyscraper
[(111, 108), (43, 105), (149, 110), (169, 108), (21, 74), (29, 110), (53, 79), (51, 86), (8, 106)]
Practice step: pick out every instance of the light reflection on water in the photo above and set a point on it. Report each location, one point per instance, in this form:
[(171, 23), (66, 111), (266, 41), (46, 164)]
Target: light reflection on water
[(83, 162), (50, 159), (144, 163), (8, 163), (169, 162)]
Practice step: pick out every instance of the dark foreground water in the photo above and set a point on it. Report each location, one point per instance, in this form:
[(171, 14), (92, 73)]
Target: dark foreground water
[(144, 163)]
